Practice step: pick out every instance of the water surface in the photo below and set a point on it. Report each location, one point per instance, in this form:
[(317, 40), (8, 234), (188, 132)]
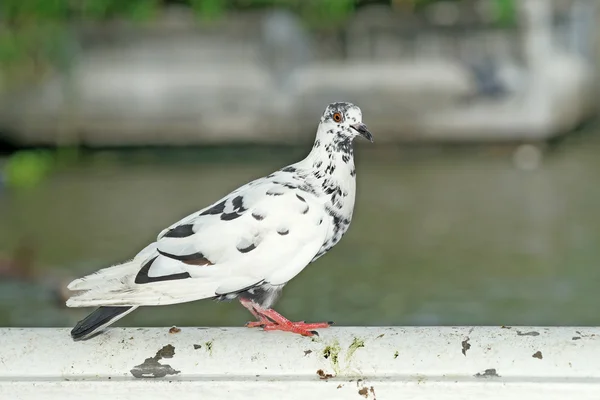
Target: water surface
[(449, 236)]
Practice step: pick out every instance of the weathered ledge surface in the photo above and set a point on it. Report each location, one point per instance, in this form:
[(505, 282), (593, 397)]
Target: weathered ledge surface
[(342, 363)]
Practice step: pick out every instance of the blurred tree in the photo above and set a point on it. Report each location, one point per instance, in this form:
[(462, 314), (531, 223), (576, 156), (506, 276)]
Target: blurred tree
[(34, 34)]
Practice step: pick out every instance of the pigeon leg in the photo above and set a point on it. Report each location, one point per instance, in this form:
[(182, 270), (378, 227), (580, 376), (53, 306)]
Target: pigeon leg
[(262, 321), (271, 320)]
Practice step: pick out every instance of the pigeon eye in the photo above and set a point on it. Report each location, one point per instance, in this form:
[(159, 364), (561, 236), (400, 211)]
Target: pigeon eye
[(337, 117)]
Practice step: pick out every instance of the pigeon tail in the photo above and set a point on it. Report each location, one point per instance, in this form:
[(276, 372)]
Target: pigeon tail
[(98, 320)]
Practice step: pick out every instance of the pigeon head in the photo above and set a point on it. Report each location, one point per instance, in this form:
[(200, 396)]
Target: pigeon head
[(344, 120)]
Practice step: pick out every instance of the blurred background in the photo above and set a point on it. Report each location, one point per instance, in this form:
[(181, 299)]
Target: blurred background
[(477, 204)]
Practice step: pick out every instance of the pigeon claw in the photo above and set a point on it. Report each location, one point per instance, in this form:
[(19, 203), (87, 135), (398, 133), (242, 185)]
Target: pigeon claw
[(255, 324), (271, 320), (300, 328)]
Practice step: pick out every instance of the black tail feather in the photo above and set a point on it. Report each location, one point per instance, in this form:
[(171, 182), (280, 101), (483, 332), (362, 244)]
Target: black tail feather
[(101, 317)]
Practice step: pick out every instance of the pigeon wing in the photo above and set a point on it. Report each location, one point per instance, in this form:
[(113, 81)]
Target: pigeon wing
[(264, 232)]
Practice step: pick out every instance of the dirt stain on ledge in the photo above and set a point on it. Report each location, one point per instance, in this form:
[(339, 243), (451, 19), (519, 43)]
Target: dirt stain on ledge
[(332, 353), (365, 391), (151, 368), (209, 347), (465, 346), (355, 345), (532, 333), (488, 373), (323, 375)]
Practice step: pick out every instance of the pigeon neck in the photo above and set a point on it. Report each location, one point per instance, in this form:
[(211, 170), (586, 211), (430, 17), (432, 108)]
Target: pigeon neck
[(332, 151), (331, 162)]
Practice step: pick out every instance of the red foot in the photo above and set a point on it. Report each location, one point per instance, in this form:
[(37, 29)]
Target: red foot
[(262, 322), (271, 320), (300, 328)]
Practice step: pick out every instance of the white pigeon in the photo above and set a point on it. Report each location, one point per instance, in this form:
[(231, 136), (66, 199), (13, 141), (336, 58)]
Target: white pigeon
[(247, 245)]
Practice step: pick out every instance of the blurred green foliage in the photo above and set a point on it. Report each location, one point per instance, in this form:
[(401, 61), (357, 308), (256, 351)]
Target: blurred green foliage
[(506, 11), (34, 34), (27, 168)]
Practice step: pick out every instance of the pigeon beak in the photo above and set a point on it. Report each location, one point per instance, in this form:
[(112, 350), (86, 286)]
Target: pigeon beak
[(363, 131)]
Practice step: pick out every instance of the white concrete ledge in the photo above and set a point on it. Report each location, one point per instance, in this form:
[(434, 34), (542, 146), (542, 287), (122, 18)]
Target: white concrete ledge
[(343, 363)]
